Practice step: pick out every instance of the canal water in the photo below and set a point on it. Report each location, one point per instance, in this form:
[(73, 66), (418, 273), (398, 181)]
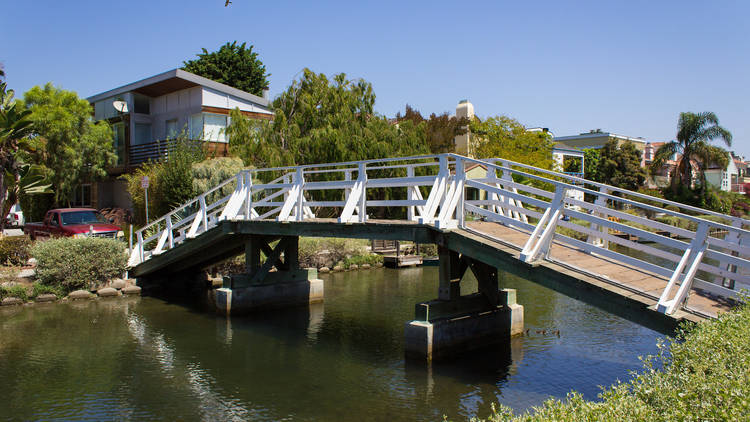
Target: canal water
[(145, 358)]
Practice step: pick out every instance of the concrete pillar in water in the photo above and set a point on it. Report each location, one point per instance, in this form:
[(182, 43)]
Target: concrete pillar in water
[(260, 288), (452, 323)]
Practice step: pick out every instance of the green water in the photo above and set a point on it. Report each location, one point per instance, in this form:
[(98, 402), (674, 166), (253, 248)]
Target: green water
[(147, 359)]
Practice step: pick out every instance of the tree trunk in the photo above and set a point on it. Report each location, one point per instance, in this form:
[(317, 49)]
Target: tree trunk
[(2, 201)]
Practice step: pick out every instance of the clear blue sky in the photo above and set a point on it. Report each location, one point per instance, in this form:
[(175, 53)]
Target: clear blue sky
[(627, 67)]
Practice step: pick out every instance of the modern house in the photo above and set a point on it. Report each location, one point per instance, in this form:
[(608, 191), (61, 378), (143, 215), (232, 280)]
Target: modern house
[(596, 139), (148, 115)]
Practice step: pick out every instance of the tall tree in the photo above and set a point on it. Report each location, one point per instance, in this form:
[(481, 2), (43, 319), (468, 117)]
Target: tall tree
[(318, 120), (15, 126), (695, 131), (621, 166), (505, 137), (68, 143), (440, 129), (234, 65)]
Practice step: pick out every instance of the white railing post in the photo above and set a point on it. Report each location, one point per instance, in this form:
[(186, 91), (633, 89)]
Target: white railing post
[(410, 194), (292, 196), (451, 215), (601, 201), (362, 177), (437, 193), (199, 219), (249, 209), (545, 229), (692, 258), (300, 182), (235, 201), (515, 214)]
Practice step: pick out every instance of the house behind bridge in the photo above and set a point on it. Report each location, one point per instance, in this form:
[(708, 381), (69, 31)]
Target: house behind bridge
[(156, 110)]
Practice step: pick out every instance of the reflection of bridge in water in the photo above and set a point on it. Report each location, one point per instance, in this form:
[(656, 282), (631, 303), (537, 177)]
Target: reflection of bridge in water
[(548, 227)]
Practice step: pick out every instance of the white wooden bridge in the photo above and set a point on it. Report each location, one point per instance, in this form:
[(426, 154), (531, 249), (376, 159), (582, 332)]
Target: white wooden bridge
[(608, 237)]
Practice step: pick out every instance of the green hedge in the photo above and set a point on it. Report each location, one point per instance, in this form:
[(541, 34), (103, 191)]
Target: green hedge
[(704, 376), (14, 250), (79, 263)]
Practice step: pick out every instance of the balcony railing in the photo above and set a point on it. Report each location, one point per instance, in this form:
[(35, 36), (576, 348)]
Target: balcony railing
[(153, 151)]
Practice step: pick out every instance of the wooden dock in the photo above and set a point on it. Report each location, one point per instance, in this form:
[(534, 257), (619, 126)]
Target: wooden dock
[(398, 261)]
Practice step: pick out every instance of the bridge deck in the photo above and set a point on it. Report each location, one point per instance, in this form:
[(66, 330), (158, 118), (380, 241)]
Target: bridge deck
[(633, 281)]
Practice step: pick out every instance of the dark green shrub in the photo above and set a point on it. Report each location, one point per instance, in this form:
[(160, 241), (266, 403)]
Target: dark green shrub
[(428, 249), (702, 375), (79, 263), (18, 291), (35, 206), (14, 250), (38, 289), (358, 260)]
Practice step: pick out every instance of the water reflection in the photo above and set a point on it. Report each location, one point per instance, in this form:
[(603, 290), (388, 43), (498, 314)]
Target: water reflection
[(342, 360)]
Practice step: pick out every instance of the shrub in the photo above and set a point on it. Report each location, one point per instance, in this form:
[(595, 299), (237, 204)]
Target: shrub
[(14, 250), (209, 173), (14, 291), (78, 263), (428, 249), (35, 206), (704, 375), (39, 289), (358, 260)]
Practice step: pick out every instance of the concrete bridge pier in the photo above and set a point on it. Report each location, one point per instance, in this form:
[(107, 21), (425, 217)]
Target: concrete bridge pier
[(277, 282), (453, 323)]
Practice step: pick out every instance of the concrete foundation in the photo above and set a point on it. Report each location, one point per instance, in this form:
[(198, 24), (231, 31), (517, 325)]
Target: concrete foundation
[(445, 328), (233, 301)]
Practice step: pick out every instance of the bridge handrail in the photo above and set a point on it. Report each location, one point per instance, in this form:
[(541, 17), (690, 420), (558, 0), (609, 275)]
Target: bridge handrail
[(628, 192), (446, 207)]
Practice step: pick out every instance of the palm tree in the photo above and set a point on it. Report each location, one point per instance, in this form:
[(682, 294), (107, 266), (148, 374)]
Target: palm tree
[(694, 133), (15, 125)]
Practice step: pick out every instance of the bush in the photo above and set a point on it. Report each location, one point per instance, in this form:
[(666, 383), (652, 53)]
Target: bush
[(209, 173), (428, 249), (358, 260), (35, 206), (14, 291), (316, 252), (39, 289), (79, 263), (14, 250), (705, 375)]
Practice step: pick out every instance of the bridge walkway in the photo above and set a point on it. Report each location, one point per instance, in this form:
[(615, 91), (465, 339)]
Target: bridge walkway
[(628, 281)]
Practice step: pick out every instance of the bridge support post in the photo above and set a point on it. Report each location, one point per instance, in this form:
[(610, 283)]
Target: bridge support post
[(453, 323), (277, 282)]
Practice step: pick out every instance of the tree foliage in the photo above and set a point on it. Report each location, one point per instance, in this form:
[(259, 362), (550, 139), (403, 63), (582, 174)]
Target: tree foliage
[(504, 137), (15, 126), (170, 181), (620, 166), (233, 64), (67, 141), (318, 120), (440, 129)]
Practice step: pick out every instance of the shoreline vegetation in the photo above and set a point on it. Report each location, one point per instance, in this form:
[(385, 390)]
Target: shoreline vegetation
[(702, 374)]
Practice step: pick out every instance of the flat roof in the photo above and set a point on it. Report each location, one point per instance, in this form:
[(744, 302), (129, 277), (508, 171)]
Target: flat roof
[(175, 80), (597, 135)]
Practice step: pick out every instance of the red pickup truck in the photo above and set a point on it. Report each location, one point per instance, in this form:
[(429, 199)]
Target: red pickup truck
[(72, 222)]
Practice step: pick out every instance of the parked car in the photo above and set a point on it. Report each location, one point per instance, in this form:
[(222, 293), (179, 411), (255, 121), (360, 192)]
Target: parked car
[(15, 217), (72, 222)]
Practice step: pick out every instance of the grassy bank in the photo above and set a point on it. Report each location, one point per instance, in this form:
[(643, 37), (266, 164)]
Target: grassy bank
[(704, 376)]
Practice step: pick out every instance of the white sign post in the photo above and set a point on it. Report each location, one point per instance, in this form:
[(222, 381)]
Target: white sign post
[(144, 185)]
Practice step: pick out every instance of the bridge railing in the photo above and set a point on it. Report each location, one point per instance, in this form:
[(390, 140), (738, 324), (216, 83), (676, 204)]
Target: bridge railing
[(448, 191)]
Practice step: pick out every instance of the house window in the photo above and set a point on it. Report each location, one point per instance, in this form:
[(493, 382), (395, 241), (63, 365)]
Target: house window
[(142, 133), (214, 126), (208, 127), (82, 196), (141, 104), (119, 142), (170, 131)]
